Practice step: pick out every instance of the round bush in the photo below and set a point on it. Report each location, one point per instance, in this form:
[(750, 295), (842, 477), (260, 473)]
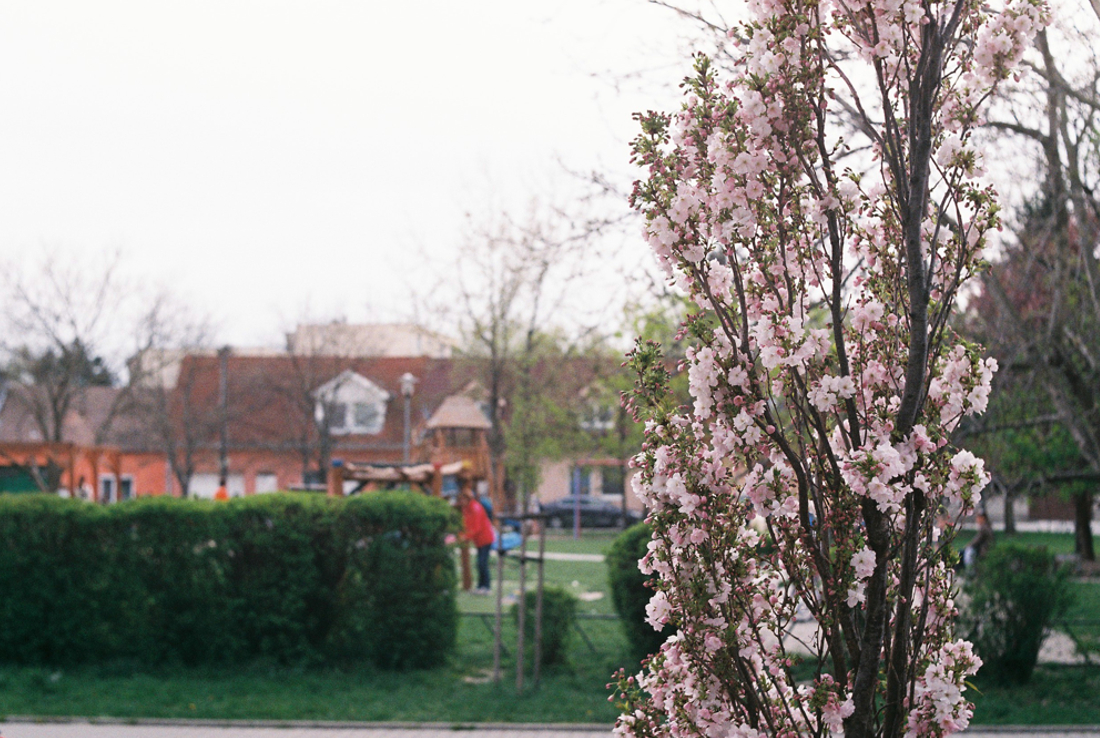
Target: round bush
[(1016, 593), (559, 616), (630, 591)]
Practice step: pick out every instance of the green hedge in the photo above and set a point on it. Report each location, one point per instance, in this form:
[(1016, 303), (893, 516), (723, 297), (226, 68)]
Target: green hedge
[(291, 578), (630, 591)]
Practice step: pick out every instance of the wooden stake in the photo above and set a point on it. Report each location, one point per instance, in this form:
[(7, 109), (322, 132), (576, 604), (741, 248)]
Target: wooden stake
[(467, 578), (522, 618), (538, 605)]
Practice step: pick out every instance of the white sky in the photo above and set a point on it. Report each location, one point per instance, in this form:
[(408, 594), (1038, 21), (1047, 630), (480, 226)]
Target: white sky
[(259, 156)]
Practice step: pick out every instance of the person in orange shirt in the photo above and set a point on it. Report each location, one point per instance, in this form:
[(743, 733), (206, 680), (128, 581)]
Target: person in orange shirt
[(478, 530), (222, 493)]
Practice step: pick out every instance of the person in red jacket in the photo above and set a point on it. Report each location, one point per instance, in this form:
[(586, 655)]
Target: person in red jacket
[(478, 530)]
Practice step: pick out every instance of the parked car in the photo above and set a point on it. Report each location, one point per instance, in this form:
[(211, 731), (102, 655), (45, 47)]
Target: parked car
[(595, 512)]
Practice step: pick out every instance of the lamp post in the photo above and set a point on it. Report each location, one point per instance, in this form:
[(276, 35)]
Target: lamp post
[(408, 384)]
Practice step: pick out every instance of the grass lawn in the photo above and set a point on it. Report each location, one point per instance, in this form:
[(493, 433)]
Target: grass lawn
[(587, 580), (458, 692), (1058, 543), (1056, 695), (592, 541)]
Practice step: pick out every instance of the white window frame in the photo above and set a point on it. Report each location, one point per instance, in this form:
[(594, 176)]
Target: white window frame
[(349, 390)]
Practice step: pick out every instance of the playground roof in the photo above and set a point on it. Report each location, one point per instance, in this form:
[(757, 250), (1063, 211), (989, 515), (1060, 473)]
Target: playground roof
[(459, 411)]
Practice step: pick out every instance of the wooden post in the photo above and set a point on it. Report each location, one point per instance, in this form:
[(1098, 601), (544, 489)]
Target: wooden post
[(73, 492), (94, 455), (336, 480), (500, 603), (467, 579), (522, 624), (437, 480), (538, 605), (115, 460)]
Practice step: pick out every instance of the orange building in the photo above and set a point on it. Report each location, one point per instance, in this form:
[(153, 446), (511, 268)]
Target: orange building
[(265, 420)]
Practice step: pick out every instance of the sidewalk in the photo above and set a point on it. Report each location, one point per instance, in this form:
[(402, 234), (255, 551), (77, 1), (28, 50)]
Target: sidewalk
[(213, 729), (556, 556)]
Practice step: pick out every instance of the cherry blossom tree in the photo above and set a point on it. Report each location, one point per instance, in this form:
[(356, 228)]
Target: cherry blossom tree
[(810, 472)]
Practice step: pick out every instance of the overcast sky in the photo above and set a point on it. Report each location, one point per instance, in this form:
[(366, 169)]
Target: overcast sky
[(257, 156)]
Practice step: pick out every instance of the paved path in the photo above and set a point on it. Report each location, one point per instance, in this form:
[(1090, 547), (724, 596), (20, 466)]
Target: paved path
[(198, 729), (555, 556)]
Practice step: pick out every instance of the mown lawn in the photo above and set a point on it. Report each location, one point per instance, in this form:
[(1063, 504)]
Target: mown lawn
[(592, 541), (456, 693), (1058, 543), (1056, 695), (587, 580)]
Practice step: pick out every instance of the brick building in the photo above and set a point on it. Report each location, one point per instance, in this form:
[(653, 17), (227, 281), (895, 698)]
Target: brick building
[(270, 420)]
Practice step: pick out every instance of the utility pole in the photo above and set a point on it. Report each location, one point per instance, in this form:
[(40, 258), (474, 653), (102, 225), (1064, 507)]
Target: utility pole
[(408, 385), (223, 401), (623, 462)]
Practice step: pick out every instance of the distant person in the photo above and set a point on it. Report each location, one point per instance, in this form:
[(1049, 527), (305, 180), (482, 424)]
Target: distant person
[(981, 542), (477, 529), (222, 493)]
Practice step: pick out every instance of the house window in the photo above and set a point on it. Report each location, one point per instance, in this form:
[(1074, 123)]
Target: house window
[(460, 437), (351, 403), (356, 417), (598, 419), (109, 492), (338, 416), (266, 482), (614, 480), (366, 415)]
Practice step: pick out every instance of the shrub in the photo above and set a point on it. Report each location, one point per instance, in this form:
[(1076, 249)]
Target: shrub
[(291, 578), (630, 592), (559, 617), (1016, 593)]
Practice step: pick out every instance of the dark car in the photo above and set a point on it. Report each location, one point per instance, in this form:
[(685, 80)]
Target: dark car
[(595, 513)]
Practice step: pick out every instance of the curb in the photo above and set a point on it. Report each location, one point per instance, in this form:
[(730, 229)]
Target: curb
[(310, 724)]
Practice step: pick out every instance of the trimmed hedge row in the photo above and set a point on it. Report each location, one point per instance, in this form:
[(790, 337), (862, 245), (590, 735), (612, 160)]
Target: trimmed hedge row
[(291, 578)]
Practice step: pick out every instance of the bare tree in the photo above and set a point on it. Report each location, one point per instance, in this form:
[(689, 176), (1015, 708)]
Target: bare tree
[(1040, 304), (161, 407), (59, 311), (514, 284)]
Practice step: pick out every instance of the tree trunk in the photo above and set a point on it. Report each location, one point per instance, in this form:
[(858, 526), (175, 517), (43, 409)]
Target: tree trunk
[(1010, 510), (1082, 526)]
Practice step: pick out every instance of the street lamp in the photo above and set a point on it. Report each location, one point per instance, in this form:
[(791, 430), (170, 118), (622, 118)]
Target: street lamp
[(408, 384)]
